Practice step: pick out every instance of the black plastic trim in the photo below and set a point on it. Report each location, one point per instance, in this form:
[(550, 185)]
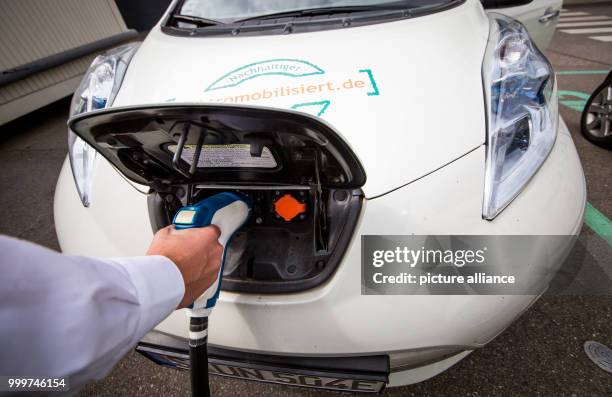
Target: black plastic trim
[(134, 140), (40, 65), (331, 264), (493, 4), (375, 366), (158, 212), (302, 25), (161, 209)]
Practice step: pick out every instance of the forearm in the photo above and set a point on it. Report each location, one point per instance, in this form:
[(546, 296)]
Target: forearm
[(76, 317)]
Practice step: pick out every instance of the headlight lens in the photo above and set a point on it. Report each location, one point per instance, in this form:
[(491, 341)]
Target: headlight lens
[(522, 112), (96, 91)]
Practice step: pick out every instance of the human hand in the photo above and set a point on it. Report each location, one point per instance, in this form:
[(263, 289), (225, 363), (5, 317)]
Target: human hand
[(197, 254)]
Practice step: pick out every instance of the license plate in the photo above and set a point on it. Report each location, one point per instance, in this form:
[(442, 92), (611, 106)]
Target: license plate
[(267, 373)]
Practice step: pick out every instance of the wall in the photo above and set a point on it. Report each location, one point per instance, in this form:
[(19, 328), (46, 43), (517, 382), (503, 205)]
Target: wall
[(31, 30)]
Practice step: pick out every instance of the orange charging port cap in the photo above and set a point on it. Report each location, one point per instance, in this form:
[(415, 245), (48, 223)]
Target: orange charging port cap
[(287, 207)]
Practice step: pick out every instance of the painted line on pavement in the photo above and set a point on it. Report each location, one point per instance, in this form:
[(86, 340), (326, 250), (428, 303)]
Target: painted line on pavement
[(583, 24), (598, 222), (578, 72), (583, 19), (593, 218), (601, 38), (574, 100), (587, 31), (571, 14)]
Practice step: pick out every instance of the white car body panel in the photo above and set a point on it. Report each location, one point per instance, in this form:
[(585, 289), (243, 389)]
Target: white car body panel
[(429, 120), (274, 323), (415, 116)]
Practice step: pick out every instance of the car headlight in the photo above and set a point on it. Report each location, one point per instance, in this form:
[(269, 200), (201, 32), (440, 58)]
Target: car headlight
[(522, 112), (96, 91)]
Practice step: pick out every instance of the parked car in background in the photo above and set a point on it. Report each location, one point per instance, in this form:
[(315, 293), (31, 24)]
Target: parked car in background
[(404, 117), (596, 121)]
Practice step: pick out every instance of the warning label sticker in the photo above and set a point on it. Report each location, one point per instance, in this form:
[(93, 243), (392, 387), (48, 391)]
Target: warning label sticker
[(227, 156)]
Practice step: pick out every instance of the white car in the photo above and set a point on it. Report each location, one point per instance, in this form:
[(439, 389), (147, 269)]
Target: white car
[(368, 118)]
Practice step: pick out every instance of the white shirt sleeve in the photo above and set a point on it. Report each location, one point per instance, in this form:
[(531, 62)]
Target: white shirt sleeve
[(77, 316)]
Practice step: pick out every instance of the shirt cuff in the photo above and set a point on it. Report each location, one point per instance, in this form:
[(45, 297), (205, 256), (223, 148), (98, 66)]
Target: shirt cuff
[(159, 285)]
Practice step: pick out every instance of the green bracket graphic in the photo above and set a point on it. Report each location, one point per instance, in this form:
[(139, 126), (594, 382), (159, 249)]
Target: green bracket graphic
[(293, 68), (372, 81), (323, 104), (574, 104)]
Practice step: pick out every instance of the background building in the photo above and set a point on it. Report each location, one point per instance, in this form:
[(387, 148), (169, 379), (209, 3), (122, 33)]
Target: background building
[(46, 46)]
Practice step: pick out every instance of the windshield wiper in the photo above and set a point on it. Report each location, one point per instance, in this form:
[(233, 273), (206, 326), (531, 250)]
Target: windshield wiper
[(198, 21), (325, 11)]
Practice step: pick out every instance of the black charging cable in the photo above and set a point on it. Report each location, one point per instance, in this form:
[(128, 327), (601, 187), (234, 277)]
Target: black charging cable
[(198, 356)]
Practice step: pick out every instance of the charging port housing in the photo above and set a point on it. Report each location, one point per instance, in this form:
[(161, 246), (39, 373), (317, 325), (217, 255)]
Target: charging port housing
[(186, 153), (272, 255)]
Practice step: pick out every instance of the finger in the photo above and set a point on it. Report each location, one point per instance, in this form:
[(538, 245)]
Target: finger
[(164, 231), (216, 231), (206, 233)]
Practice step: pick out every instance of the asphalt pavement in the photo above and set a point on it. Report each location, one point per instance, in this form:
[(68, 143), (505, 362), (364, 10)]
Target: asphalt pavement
[(540, 354)]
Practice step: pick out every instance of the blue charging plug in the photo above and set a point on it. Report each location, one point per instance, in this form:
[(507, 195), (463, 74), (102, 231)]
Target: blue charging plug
[(228, 211)]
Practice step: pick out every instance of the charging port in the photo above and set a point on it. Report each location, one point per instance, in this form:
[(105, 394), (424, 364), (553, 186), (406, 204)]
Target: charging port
[(288, 207), (288, 244)]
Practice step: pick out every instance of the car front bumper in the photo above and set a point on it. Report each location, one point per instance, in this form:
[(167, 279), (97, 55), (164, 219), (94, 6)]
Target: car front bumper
[(335, 320)]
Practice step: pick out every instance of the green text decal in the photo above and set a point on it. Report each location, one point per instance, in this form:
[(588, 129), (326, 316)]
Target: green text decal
[(279, 67)]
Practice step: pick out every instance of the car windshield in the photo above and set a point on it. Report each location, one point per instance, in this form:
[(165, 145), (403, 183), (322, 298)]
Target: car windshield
[(233, 10)]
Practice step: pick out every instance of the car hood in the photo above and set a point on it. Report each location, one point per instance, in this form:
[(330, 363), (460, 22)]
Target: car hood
[(406, 96)]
